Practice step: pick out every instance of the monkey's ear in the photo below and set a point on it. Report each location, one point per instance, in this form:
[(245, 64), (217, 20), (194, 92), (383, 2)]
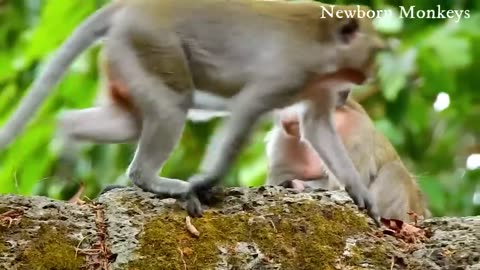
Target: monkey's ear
[(348, 29), (287, 120), (291, 127)]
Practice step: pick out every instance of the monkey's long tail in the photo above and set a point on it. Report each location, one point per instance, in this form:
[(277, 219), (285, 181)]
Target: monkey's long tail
[(88, 32)]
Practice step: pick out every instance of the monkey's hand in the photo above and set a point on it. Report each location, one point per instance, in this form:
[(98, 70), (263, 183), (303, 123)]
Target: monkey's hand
[(202, 191), (363, 199), (194, 206)]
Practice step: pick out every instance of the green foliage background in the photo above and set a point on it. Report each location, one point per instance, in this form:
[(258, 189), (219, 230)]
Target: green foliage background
[(429, 56)]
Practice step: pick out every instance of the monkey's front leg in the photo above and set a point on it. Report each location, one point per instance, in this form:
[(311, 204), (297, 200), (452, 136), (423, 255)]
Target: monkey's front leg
[(318, 128), (219, 156), (226, 144)]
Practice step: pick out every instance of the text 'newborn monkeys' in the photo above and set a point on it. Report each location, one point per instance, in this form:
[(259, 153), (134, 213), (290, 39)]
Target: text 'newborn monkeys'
[(262, 54)]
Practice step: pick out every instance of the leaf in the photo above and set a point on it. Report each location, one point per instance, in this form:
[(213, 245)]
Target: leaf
[(394, 70), (435, 192), (451, 49), (391, 23), (404, 231), (392, 132), (433, 74)]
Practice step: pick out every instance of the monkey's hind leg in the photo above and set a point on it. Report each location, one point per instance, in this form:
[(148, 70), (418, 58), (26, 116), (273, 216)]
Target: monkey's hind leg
[(161, 104), (105, 124), (159, 135)]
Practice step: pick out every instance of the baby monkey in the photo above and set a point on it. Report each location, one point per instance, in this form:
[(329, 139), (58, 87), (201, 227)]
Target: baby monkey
[(260, 54), (294, 164)]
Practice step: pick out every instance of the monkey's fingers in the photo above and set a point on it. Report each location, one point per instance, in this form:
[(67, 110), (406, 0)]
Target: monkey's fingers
[(194, 207), (356, 195), (372, 212), (363, 200), (203, 186)]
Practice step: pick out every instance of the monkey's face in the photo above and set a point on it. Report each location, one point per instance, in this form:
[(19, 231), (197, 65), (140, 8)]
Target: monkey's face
[(358, 44)]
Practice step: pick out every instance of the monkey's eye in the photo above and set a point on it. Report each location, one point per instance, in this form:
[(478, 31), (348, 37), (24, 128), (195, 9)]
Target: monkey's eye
[(348, 30)]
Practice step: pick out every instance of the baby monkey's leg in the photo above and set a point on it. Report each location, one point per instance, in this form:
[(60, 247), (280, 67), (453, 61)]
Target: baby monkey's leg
[(106, 124)]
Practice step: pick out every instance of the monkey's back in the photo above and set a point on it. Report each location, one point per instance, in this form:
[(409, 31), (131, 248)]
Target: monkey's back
[(215, 33), (388, 159)]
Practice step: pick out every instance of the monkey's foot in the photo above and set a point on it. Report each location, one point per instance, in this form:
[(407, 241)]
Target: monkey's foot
[(111, 187)]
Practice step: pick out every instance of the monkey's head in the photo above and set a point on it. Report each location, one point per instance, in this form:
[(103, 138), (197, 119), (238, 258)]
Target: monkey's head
[(357, 42)]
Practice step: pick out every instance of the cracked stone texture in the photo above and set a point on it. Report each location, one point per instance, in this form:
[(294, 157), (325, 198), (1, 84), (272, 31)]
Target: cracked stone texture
[(454, 244)]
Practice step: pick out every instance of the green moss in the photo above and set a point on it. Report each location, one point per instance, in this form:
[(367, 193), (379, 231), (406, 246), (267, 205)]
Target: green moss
[(355, 256), (377, 255), (3, 247), (374, 255), (51, 250), (298, 236), (47, 245), (4, 209)]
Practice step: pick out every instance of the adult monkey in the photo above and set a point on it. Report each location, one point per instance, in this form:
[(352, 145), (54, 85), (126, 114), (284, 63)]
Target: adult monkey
[(157, 52)]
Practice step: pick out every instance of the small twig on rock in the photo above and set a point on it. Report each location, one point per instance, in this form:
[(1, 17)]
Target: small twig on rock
[(415, 217), (75, 199), (183, 260), (99, 255), (191, 229), (11, 217), (78, 246), (273, 225)]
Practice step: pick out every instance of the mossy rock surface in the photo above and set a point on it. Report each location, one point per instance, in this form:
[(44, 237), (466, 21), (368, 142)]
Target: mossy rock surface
[(264, 227), (256, 228), (43, 234), (295, 236)]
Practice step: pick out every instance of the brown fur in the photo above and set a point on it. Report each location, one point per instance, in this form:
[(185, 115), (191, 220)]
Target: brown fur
[(395, 190)]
